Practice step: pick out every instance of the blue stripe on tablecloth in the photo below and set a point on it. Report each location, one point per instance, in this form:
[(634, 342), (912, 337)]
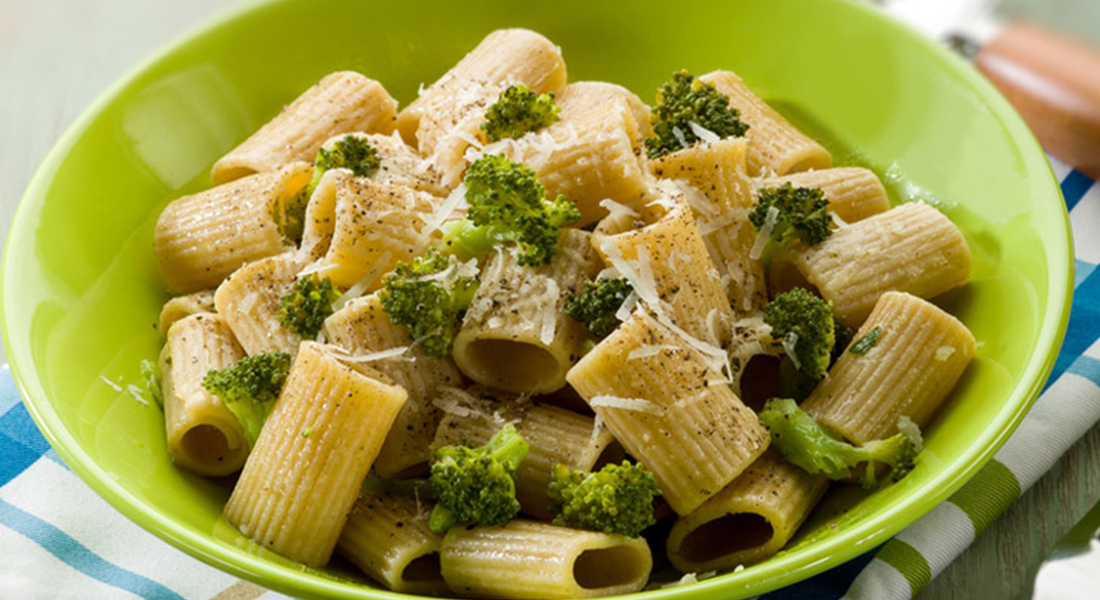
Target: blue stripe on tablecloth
[(1081, 271), (1087, 367), (79, 557), (20, 443), (1074, 187), (1084, 323), (830, 585)]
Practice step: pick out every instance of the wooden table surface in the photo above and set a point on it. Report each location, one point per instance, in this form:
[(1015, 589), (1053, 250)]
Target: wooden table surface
[(57, 56)]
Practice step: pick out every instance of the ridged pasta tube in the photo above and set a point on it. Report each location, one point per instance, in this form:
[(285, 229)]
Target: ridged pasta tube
[(720, 195), (249, 302), (911, 248), (516, 335), (503, 58), (775, 146), (185, 306), (582, 96), (555, 435), (204, 437), (201, 239), (854, 193), (751, 519), (364, 331), (341, 102), (530, 559), (304, 473), (919, 353), (670, 409), (387, 536), (669, 266)]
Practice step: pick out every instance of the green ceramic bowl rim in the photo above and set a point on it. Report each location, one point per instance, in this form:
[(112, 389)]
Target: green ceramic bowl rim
[(827, 553)]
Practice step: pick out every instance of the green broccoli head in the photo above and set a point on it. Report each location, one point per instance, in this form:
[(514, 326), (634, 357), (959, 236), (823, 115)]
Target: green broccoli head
[(249, 388), (615, 499), (350, 152), (598, 303), (519, 111), (807, 444), (683, 102), (792, 212), (477, 486), (305, 307), (508, 204), (430, 296), (805, 325)]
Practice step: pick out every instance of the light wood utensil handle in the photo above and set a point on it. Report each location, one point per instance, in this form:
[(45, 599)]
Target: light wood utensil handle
[(1054, 82)]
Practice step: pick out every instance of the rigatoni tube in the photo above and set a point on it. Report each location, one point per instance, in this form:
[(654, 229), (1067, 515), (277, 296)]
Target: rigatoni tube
[(751, 519), (201, 239), (203, 435), (516, 336), (387, 536), (775, 146), (912, 248), (671, 409), (304, 473), (530, 559), (341, 102), (917, 354)]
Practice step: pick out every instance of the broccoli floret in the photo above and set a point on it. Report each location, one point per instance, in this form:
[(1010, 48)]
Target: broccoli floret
[(351, 152), (306, 306), (684, 101), (844, 335), (430, 296), (792, 213), (805, 325), (249, 388), (477, 485), (615, 499), (807, 444), (598, 303), (519, 111), (508, 204)]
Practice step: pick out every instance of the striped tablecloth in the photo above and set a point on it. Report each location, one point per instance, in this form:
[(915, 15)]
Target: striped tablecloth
[(58, 539)]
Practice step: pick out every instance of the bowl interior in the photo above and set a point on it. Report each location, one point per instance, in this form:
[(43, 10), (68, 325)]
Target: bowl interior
[(81, 291)]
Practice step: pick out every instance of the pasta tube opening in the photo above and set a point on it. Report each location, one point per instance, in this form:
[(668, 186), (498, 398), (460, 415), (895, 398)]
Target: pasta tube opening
[(726, 535), (529, 366), (609, 567), (423, 569), (206, 445)]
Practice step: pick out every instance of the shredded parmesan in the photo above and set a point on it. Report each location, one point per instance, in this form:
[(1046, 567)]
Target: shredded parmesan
[(446, 209), (703, 133), (944, 352), (790, 344), (911, 430), (550, 317), (765, 232), (317, 267), (380, 355), (680, 137), (135, 391), (627, 307), (617, 211), (626, 404), (114, 386), (647, 350), (365, 282)]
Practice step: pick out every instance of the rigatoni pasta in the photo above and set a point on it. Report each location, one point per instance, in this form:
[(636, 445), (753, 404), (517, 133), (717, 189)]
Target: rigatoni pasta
[(644, 317)]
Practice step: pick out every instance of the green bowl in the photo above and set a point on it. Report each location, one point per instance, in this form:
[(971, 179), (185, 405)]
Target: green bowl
[(81, 291)]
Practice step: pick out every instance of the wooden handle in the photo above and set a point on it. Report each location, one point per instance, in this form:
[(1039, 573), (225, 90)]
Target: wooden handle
[(1054, 82)]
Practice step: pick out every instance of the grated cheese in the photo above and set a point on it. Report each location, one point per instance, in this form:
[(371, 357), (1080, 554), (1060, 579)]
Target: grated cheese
[(636, 404), (911, 430), (765, 232), (114, 386)]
